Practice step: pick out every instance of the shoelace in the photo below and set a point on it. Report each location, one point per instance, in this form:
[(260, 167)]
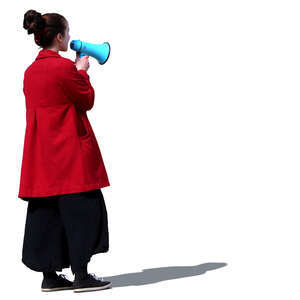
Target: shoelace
[(96, 277), (63, 276)]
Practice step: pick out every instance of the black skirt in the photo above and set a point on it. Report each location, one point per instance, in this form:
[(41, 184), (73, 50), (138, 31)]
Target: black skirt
[(64, 230)]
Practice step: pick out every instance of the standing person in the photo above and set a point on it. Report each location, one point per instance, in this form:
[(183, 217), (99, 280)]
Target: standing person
[(62, 170)]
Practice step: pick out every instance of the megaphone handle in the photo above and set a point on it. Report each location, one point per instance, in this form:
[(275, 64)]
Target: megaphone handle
[(81, 54)]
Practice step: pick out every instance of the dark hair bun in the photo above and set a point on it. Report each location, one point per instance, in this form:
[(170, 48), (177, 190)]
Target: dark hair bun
[(33, 21)]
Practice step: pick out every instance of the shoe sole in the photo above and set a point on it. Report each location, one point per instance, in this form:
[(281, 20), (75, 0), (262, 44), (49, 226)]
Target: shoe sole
[(57, 289), (94, 288)]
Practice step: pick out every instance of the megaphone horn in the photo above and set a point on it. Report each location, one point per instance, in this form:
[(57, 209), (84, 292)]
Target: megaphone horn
[(98, 51)]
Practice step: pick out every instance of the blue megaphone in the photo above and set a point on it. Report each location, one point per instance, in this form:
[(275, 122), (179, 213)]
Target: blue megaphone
[(98, 51)]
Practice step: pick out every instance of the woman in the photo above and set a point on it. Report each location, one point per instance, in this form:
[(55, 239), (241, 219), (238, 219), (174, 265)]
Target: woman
[(62, 169)]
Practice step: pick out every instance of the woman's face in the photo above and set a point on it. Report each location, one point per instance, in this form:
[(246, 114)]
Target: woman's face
[(63, 41)]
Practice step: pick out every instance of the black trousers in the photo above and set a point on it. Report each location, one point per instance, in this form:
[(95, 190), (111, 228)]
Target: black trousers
[(64, 230)]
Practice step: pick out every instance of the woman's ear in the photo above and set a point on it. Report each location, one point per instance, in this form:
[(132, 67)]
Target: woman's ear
[(59, 37)]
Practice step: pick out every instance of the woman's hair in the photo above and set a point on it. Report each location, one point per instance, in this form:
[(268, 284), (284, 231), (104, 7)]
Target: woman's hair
[(45, 27)]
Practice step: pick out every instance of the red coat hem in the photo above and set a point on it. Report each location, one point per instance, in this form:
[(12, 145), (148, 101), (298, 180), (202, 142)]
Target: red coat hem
[(61, 190)]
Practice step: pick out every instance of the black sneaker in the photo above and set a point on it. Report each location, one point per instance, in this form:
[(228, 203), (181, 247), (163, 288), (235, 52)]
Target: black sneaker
[(90, 283), (56, 284)]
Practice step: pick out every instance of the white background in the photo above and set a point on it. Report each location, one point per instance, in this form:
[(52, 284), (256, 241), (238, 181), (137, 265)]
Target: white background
[(197, 117)]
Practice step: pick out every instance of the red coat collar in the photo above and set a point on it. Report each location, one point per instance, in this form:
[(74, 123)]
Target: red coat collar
[(47, 53)]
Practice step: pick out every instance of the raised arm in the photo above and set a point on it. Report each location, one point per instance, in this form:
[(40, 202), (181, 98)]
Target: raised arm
[(76, 84)]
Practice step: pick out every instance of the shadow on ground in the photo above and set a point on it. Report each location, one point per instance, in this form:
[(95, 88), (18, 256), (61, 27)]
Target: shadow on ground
[(148, 276)]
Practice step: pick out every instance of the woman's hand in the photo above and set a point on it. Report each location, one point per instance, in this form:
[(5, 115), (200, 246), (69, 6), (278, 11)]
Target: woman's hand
[(82, 63)]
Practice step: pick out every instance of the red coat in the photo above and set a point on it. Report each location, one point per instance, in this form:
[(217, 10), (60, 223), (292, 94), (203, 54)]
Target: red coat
[(61, 154)]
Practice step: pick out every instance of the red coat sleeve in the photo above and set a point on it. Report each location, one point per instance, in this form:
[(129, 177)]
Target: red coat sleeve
[(76, 84)]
